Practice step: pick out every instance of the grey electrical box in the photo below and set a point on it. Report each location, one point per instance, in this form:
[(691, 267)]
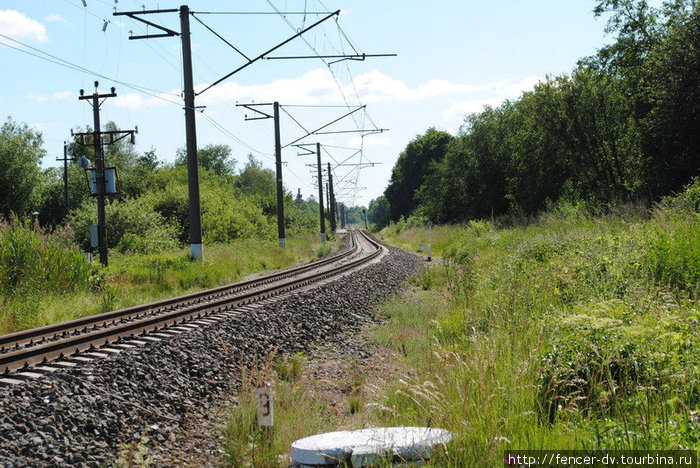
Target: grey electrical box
[(110, 180), (94, 240)]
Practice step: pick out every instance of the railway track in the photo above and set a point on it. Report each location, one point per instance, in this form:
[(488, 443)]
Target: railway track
[(32, 353)]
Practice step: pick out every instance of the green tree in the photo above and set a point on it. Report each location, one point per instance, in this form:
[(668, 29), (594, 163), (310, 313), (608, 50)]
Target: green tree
[(672, 127), (20, 155), (216, 158), (379, 212), (49, 193), (411, 169), (259, 184)]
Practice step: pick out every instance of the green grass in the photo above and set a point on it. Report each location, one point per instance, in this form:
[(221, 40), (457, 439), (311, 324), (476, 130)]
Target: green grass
[(130, 279), (572, 332), (297, 414)]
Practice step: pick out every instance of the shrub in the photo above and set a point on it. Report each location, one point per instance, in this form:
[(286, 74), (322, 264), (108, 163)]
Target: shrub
[(148, 230), (31, 258), (673, 256)]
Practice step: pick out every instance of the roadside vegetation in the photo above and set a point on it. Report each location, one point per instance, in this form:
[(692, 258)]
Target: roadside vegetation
[(45, 278), (569, 331)]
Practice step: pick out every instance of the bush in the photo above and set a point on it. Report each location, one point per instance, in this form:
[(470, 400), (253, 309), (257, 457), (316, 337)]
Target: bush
[(148, 231), (674, 256), (32, 259)]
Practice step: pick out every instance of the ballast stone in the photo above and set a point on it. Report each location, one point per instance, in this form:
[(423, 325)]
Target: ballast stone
[(367, 446)]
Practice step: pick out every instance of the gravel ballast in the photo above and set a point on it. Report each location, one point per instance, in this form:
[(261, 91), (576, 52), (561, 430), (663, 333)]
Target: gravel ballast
[(80, 416)]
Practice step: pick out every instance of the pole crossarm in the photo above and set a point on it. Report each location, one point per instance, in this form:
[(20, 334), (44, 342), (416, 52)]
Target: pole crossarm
[(114, 135), (264, 54), (357, 57), (364, 131), (252, 106), (316, 132), (133, 15), (307, 152)]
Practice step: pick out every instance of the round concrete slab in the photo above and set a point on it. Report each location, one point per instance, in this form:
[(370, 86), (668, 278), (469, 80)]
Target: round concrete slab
[(365, 446)]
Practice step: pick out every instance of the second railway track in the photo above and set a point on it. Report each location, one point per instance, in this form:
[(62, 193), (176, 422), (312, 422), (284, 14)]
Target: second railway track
[(30, 353)]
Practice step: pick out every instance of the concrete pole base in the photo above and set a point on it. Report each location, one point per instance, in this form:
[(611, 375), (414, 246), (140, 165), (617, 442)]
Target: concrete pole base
[(197, 252)]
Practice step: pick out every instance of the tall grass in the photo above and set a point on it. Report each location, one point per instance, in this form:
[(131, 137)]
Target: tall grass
[(573, 332), (297, 414), (35, 263)]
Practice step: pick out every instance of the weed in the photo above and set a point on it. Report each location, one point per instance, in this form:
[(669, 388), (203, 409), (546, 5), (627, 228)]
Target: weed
[(288, 367), (324, 250), (135, 454), (297, 415)]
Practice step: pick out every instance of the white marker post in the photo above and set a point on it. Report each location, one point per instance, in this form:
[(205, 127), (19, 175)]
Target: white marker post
[(430, 235), (263, 394)]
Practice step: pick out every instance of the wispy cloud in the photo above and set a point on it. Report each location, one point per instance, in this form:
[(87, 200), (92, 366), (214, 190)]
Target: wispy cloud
[(54, 17), (319, 87), (18, 26), (57, 96)]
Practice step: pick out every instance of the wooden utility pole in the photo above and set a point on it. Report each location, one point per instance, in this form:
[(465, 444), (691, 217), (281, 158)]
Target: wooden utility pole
[(66, 201), (99, 169), (100, 177)]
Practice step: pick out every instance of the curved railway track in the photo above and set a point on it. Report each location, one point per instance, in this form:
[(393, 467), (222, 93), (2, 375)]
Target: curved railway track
[(31, 353)]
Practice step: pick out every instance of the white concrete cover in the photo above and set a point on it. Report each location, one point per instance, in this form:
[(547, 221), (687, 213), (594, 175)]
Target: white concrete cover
[(367, 445)]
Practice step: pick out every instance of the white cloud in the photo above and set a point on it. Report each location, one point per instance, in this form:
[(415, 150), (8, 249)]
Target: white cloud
[(462, 108), (16, 25), (54, 17), (500, 91), (59, 95), (313, 87), (62, 95), (319, 87)]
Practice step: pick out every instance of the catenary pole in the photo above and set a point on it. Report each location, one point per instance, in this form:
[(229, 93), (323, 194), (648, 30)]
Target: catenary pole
[(196, 250), (331, 196), (278, 173), (320, 192)]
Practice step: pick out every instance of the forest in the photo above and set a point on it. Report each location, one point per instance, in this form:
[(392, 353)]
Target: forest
[(623, 126)]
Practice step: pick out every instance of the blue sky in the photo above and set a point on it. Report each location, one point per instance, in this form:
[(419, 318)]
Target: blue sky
[(454, 57)]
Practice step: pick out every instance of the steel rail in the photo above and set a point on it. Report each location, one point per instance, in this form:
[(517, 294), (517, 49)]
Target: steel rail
[(63, 347), (23, 337)]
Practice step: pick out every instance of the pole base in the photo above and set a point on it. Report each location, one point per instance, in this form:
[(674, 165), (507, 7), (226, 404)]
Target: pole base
[(323, 237), (196, 252), (283, 242)]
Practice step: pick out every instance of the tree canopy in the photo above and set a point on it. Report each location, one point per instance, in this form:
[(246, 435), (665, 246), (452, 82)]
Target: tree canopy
[(624, 125), (20, 157)]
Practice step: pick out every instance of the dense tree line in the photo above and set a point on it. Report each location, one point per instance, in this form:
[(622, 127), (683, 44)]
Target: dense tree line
[(623, 125)]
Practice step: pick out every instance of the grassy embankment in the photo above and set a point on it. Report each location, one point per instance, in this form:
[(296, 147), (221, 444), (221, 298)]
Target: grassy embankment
[(570, 332), (44, 279)]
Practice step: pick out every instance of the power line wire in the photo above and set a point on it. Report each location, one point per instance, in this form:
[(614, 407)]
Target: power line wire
[(66, 64)]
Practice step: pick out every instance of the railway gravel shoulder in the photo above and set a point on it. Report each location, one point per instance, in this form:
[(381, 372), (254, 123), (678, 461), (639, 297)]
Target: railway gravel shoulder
[(79, 416)]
